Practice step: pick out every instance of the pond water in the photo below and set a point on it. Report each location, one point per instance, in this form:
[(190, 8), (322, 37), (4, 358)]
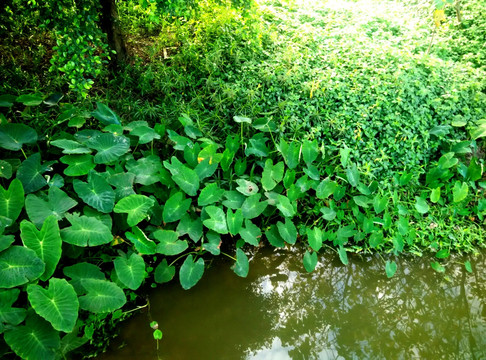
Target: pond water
[(281, 312)]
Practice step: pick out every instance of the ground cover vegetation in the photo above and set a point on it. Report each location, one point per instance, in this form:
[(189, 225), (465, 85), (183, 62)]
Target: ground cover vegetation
[(337, 125)]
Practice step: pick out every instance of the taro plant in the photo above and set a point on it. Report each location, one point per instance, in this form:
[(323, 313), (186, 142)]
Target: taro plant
[(88, 218)]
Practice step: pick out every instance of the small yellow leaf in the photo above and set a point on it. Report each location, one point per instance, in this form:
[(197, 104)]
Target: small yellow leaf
[(439, 17)]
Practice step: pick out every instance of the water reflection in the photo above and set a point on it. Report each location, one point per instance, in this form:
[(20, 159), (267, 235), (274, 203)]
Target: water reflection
[(337, 312)]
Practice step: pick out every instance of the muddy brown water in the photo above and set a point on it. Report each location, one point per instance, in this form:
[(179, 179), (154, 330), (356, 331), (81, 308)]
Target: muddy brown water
[(280, 312)]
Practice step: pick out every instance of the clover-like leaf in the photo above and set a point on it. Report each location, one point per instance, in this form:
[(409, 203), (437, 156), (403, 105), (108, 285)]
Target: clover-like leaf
[(136, 206), (14, 136), (46, 243), (58, 304)]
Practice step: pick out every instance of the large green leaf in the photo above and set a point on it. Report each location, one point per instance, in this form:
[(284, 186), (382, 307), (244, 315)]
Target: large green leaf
[(10, 315), (251, 233), (310, 151), (86, 231), (81, 271), (191, 272), (421, 205), (234, 221), (36, 340), (142, 243), (210, 194), (183, 176), (285, 207), (169, 243), (30, 99), (479, 130), (175, 207), (136, 206), (58, 304), (145, 134), (97, 193), (130, 270), (78, 165), (353, 175), (30, 173), (6, 241), (109, 147), (105, 115), (191, 227), (217, 220), (273, 237), (252, 207), (123, 182), (6, 170), (290, 153), (326, 188), (310, 261), (70, 147), (146, 169), (287, 231), (460, 191), (57, 204), (272, 174), (246, 187), (101, 296), (241, 266), (46, 243), (314, 238), (12, 200), (18, 266), (14, 136), (164, 272)]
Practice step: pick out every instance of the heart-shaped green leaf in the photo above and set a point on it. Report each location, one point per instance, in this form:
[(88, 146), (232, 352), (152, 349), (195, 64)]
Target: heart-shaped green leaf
[(272, 174), (252, 207), (136, 206), (274, 237), (353, 175), (246, 187), (163, 272), (86, 231), (80, 271), (217, 220), (12, 200), (186, 178), (58, 304), (70, 147), (310, 151), (242, 266), (130, 270), (169, 243), (257, 146), (78, 165), (460, 191), (101, 296), (214, 243), (30, 173), (191, 272), (479, 130), (314, 238), (290, 153), (285, 207), (310, 261), (251, 233), (109, 147), (343, 256), (123, 183), (191, 227), (57, 204), (234, 199), (328, 213), (105, 115), (14, 136), (5, 169), (421, 205), (325, 189), (287, 231), (46, 243), (142, 243), (234, 221), (36, 340), (146, 169), (97, 193), (30, 99), (10, 315), (390, 268), (175, 207), (210, 194), (18, 266), (6, 241), (145, 134)]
